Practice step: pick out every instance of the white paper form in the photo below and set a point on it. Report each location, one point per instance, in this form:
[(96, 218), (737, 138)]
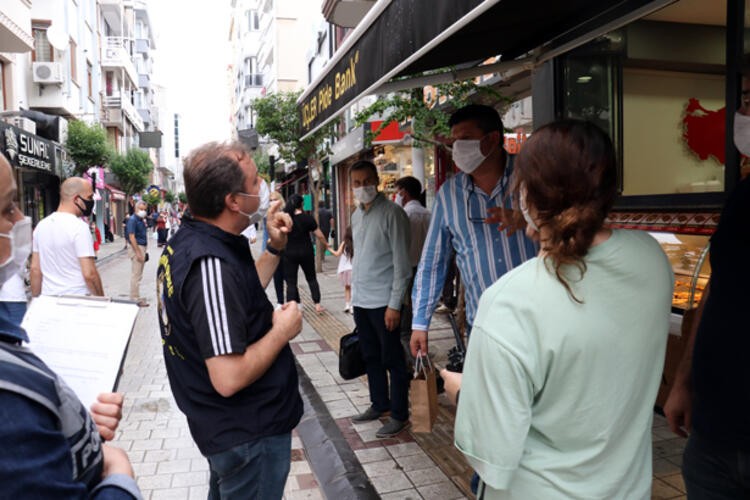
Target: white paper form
[(82, 339)]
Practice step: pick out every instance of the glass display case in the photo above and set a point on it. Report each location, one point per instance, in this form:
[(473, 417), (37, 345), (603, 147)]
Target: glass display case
[(688, 254)]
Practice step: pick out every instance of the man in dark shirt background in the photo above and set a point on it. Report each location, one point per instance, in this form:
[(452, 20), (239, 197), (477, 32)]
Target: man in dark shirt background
[(325, 222), (711, 396)]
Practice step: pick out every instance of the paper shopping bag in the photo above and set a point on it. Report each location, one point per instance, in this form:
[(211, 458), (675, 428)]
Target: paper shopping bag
[(423, 396)]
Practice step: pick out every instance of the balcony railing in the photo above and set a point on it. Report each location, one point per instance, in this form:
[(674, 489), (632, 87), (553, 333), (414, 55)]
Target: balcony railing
[(116, 54), (127, 108)]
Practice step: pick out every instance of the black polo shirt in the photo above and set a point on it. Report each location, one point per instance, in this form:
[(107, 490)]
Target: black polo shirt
[(213, 304)]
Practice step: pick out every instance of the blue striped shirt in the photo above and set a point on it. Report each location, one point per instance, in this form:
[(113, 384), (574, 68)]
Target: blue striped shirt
[(483, 253)]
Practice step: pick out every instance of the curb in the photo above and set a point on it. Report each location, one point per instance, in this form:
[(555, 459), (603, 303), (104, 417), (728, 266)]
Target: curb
[(336, 467)]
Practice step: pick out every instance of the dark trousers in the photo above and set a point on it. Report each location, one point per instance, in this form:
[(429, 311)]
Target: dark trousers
[(257, 469), (278, 282), (382, 352), (292, 262), (714, 473)]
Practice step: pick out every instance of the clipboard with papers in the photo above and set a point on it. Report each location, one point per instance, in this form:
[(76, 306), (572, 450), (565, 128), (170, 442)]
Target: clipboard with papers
[(83, 339)]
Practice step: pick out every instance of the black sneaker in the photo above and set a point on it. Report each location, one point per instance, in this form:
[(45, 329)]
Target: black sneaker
[(367, 416), (391, 428)]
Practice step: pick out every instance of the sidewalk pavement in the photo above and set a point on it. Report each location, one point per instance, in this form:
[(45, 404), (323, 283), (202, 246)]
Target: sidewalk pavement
[(410, 466)]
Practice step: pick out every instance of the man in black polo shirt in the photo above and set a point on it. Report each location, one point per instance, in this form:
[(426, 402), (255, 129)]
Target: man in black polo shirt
[(227, 352), (711, 395)]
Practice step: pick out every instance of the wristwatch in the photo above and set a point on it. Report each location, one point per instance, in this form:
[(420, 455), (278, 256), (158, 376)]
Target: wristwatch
[(273, 251)]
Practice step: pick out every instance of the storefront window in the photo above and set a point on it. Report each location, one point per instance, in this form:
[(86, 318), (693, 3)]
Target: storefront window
[(657, 86), (393, 162)]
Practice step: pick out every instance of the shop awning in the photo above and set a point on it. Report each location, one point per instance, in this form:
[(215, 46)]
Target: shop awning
[(115, 193), (398, 38)]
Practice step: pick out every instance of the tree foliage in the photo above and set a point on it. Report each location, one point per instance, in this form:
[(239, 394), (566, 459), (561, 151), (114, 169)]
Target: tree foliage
[(87, 145), (182, 196), (278, 119), (132, 169), (151, 200), (170, 197), (262, 163), (429, 119)]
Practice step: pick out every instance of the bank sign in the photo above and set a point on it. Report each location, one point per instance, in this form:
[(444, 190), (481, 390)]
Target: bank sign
[(23, 149)]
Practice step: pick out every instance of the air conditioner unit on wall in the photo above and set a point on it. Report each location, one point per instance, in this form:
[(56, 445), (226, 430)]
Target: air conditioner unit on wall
[(47, 72)]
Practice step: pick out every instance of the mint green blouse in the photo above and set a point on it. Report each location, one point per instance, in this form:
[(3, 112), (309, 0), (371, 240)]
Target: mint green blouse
[(557, 397)]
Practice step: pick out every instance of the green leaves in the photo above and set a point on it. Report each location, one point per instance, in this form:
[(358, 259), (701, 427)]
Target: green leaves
[(132, 170), (429, 117), (87, 145), (277, 118)]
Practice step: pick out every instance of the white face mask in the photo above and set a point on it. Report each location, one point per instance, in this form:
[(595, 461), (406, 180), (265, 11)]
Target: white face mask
[(365, 194), (20, 248), (525, 210), (742, 133), (399, 200), (265, 200), (467, 154), (141, 214)]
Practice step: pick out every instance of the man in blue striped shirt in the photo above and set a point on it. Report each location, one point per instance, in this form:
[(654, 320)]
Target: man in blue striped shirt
[(461, 220)]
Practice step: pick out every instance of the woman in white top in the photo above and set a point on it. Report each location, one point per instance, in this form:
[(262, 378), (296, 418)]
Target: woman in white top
[(567, 350)]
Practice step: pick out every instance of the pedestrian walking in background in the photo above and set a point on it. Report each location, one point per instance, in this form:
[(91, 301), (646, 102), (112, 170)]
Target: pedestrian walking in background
[(96, 236), (345, 253), (50, 444), (162, 231), (299, 252), (62, 262), (408, 194), (710, 399), (278, 274), (326, 222), (226, 350), (380, 275), (137, 251), (461, 221), (558, 362)]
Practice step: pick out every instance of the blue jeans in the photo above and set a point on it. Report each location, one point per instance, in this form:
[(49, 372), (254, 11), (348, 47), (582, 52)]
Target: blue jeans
[(256, 469), (382, 351), (714, 473)]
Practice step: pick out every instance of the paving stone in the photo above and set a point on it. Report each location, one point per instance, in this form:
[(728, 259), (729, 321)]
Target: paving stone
[(198, 492), (394, 482), (372, 455), (300, 468), (444, 491), (147, 444), (189, 479), (170, 494), (425, 477), (380, 468), (403, 450), (410, 494), (144, 469), (154, 482), (174, 466), (415, 462), (314, 494), (199, 464)]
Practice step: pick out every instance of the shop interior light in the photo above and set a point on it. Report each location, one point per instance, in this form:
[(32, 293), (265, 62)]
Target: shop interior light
[(584, 79)]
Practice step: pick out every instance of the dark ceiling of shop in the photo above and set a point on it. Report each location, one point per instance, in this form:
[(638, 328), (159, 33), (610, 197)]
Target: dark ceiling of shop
[(513, 27)]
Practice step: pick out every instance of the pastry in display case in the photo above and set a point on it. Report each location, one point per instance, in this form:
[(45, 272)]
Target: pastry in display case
[(688, 254)]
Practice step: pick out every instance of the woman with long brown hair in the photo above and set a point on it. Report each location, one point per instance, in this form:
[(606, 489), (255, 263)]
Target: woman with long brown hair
[(566, 352)]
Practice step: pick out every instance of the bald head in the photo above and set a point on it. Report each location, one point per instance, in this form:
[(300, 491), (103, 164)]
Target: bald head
[(75, 186)]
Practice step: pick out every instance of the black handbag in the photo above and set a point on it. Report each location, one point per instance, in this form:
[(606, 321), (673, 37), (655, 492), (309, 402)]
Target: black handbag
[(351, 362)]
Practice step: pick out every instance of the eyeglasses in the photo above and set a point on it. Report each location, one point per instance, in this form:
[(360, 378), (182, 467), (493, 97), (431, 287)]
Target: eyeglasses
[(473, 208)]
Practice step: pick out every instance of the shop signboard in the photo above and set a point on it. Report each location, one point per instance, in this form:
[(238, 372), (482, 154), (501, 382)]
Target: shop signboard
[(26, 150), (350, 144)]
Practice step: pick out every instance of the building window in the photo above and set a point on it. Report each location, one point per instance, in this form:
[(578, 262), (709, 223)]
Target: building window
[(42, 49), (90, 79), (73, 62), (253, 77), (253, 20)]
